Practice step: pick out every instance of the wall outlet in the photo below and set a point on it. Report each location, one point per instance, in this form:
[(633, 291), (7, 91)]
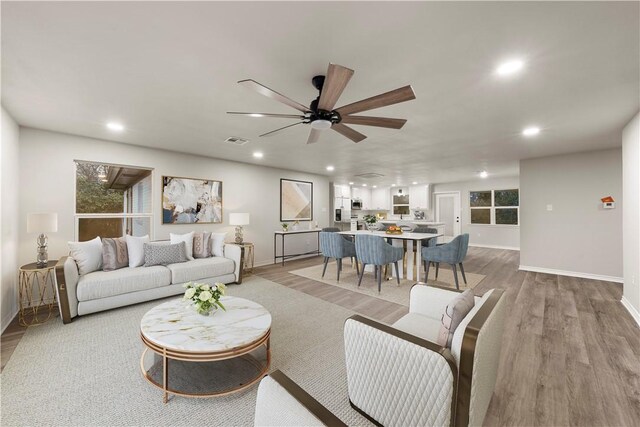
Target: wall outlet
[(549, 208)]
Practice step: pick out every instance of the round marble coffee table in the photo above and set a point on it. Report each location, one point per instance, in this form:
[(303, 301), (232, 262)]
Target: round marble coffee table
[(213, 355)]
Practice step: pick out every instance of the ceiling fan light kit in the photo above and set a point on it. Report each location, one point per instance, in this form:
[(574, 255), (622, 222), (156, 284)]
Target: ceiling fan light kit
[(322, 115)]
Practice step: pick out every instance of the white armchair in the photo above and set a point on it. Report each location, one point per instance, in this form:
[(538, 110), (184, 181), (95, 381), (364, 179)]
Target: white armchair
[(398, 376), (281, 402)]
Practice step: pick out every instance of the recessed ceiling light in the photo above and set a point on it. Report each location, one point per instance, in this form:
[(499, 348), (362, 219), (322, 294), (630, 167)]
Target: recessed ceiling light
[(509, 67), (256, 115), (258, 154), (375, 186), (364, 185), (484, 174), (415, 183), (531, 131), (351, 183), (330, 168), (114, 126), (393, 185)]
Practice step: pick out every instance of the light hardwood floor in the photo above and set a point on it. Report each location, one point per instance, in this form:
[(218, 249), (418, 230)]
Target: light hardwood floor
[(570, 355)]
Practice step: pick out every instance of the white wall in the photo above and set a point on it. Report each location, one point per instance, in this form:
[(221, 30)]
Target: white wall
[(631, 215), (500, 236), (246, 188), (9, 215), (578, 237)]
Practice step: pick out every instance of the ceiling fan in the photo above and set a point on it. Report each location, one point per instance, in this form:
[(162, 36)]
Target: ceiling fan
[(321, 114)]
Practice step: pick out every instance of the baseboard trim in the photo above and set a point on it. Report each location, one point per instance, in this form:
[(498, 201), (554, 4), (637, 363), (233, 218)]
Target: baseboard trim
[(631, 309), (6, 320), (510, 248), (571, 274)]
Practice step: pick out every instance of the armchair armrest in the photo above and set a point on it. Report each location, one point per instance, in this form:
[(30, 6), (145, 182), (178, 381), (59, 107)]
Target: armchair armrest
[(235, 253), (395, 378), (281, 402), (67, 276)]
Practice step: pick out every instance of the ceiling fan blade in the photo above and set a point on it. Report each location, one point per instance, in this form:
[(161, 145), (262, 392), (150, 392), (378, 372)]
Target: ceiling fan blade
[(352, 134), (269, 93), (279, 129), (313, 136), (334, 83), (382, 122), (281, 116), (389, 98)]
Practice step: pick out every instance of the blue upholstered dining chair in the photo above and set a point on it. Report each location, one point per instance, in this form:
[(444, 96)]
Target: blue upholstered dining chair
[(452, 253), (425, 229), (334, 245), (374, 250)]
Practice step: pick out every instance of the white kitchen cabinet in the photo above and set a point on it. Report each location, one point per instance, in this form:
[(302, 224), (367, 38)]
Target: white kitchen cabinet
[(342, 191), (419, 197), (381, 199), (363, 194)]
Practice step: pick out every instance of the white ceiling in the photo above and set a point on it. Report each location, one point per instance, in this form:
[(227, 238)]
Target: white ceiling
[(168, 71)]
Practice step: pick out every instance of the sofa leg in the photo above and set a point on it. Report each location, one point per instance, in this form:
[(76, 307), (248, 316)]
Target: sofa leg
[(324, 269)]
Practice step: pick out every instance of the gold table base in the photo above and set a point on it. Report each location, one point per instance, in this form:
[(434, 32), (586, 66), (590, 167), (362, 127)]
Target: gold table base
[(33, 283)]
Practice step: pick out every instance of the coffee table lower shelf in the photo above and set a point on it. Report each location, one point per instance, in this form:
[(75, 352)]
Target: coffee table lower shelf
[(199, 374)]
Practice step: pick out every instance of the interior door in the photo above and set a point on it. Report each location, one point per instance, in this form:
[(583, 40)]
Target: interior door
[(448, 212)]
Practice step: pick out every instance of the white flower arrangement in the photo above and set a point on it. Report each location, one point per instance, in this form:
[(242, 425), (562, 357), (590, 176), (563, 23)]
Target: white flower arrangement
[(205, 297)]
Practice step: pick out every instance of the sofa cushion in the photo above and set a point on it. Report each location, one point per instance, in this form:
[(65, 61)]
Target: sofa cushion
[(114, 253), (159, 254), (453, 314), (102, 284), (88, 255), (419, 325), (201, 268), (201, 245)]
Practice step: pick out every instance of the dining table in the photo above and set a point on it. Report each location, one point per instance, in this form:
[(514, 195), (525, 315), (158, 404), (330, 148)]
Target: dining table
[(416, 240)]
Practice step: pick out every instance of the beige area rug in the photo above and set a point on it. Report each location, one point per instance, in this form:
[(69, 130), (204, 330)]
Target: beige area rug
[(88, 372), (390, 289)]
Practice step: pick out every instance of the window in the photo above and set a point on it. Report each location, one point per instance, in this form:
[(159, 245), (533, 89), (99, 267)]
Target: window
[(401, 203), (495, 207), (112, 201)]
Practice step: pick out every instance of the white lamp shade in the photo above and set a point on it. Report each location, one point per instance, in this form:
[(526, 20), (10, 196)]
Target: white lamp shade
[(239, 218), (42, 223)]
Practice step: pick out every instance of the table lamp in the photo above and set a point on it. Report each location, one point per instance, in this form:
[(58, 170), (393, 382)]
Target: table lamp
[(239, 219), (42, 223)]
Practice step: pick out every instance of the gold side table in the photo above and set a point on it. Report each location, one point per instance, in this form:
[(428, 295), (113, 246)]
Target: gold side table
[(248, 256), (33, 283)]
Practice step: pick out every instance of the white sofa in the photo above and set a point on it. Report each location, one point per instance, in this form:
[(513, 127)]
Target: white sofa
[(398, 376), (103, 290)]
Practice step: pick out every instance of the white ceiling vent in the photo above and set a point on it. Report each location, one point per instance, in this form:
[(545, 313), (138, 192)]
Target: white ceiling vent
[(370, 175), (236, 140)]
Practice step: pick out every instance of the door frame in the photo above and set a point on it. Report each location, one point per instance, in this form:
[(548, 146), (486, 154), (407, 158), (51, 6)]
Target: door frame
[(457, 209)]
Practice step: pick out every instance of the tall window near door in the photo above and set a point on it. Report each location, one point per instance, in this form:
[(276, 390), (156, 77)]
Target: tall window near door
[(112, 200), (495, 207)]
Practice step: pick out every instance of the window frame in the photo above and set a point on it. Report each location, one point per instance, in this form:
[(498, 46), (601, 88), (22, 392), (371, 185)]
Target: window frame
[(493, 207), (124, 216)]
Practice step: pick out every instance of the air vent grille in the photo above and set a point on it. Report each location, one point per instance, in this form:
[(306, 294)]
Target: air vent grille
[(236, 140), (370, 175)]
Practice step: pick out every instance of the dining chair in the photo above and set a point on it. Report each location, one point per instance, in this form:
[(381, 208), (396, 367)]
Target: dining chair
[(452, 253), (374, 250), (333, 245), (427, 230), (331, 229)]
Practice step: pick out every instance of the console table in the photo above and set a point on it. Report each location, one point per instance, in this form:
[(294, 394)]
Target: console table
[(283, 234)]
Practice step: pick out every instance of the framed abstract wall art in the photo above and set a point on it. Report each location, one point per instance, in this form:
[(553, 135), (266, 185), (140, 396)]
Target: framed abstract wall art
[(296, 200), (191, 201)]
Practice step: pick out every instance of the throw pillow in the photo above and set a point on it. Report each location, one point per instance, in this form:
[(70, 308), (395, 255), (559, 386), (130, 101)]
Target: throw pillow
[(88, 255), (187, 239), (135, 248), (455, 312), (201, 246), (114, 254), (159, 254), (217, 243)]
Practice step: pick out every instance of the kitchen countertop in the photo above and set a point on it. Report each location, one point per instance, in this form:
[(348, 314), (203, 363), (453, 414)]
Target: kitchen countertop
[(418, 222)]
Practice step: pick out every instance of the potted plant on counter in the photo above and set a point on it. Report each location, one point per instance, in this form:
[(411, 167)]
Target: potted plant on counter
[(370, 221)]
